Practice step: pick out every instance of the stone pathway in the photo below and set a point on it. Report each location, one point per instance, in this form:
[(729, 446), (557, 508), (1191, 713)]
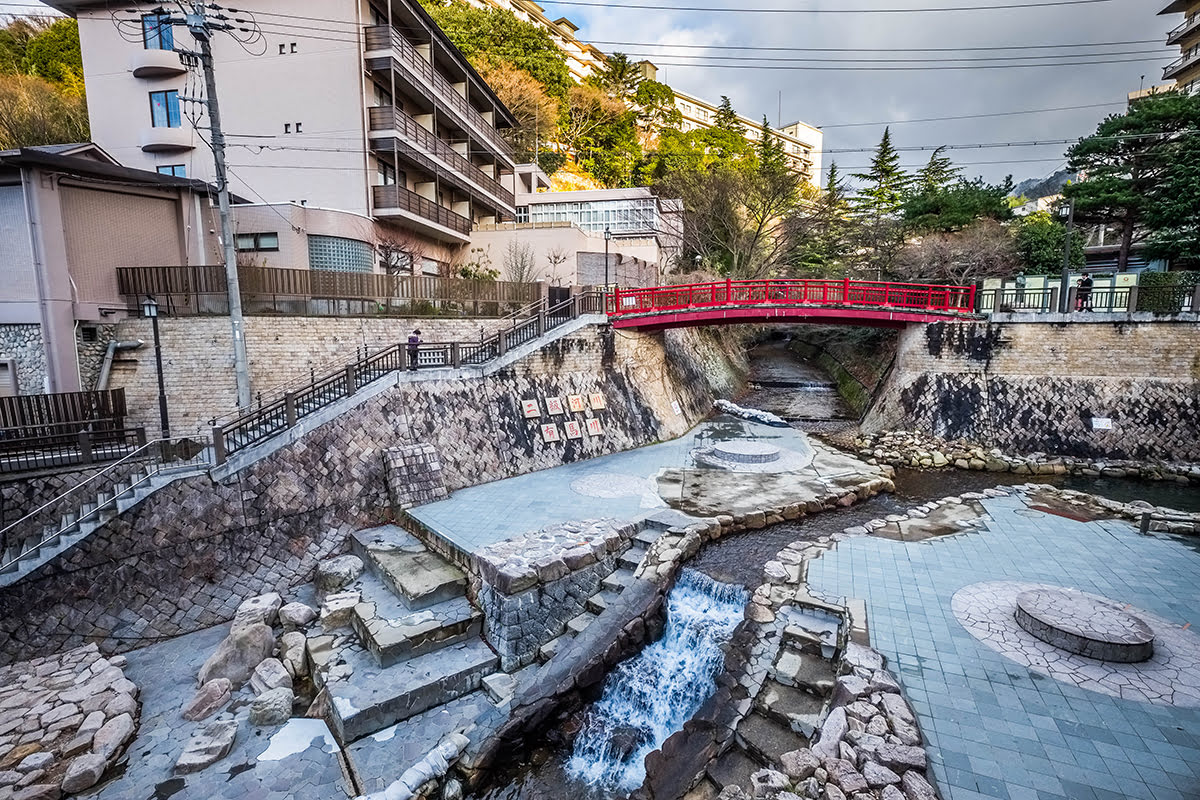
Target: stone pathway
[(997, 728)]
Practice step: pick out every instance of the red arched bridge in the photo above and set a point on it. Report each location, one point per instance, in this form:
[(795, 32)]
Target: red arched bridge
[(846, 302)]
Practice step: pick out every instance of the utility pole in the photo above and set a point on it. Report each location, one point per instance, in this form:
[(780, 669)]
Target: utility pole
[(201, 29)]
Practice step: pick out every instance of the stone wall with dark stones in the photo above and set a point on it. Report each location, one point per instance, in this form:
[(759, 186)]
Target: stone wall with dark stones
[(184, 558), (25, 346), (1036, 387)]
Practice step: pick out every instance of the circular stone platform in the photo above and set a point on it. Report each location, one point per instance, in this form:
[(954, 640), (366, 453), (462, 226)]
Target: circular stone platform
[(1085, 625), (741, 452)]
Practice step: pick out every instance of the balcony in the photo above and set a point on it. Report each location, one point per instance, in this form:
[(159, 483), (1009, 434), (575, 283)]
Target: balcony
[(392, 122), (156, 64), (1185, 29), (385, 38), (1179, 65), (166, 140), (395, 200)]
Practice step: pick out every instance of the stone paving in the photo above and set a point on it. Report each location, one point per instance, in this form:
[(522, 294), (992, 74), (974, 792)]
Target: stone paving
[(997, 728)]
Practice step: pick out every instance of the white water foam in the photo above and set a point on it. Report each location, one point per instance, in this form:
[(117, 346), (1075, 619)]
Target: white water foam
[(649, 697)]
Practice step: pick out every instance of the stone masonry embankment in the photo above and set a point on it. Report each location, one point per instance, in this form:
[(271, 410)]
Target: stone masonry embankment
[(1051, 387), (184, 558)]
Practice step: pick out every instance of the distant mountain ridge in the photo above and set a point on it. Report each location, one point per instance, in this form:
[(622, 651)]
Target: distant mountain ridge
[(1033, 188)]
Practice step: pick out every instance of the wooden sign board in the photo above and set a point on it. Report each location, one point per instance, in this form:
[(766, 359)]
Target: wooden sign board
[(594, 428), (530, 409), (550, 432), (596, 399), (554, 406), (575, 402), (574, 429)]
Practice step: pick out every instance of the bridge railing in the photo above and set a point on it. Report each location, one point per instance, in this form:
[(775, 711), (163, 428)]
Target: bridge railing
[(925, 297)]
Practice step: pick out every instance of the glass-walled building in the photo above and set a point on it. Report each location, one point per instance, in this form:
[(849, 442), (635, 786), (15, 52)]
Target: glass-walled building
[(626, 212)]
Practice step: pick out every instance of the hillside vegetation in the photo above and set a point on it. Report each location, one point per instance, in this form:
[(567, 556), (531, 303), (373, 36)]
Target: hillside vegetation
[(41, 83)]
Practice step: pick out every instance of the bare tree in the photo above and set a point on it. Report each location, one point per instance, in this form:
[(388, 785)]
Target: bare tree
[(400, 252), (984, 249), (519, 264), (556, 257)]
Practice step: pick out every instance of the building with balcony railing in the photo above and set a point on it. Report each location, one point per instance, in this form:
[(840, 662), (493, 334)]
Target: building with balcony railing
[(358, 105), (1185, 70)]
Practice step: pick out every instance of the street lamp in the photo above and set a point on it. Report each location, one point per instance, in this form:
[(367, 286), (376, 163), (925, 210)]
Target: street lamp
[(1067, 211), (150, 309), (607, 239)]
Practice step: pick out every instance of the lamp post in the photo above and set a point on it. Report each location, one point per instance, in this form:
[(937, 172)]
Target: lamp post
[(150, 309), (607, 239), (1063, 299)]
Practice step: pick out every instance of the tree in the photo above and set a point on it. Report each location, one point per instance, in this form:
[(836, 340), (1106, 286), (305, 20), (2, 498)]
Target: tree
[(1173, 209), (655, 103), (613, 152), (727, 119), (878, 204), (400, 252), (821, 233), (587, 110), (536, 111), (938, 174), (519, 263), (1126, 160), (984, 249), (771, 157), (619, 76), (32, 113), (14, 41), (54, 54), (1040, 243), (957, 205), (556, 257)]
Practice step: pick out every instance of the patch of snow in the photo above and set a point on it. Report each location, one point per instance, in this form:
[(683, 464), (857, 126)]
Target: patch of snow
[(296, 736), (753, 414)]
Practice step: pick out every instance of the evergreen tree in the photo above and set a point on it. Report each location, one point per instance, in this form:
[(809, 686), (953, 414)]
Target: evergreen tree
[(772, 159), (727, 118), (939, 173), (886, 182), (620, 77), (821, 232)]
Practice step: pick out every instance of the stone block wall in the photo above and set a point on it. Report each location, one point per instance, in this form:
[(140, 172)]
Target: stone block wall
[(24, 345), (414, 475), (198, 358), (186, 556), (1036, 387)]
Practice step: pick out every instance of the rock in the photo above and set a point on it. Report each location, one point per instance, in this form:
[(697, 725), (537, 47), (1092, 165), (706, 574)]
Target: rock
[(270, 674), (878, 775), (897, 708), (291, 653), (907, 734), (732, 793), (833, 730), (207, 745), (335, 574), (39, 791), (121, 704), (92, 722), (625, 740), (264, 608), (83, 773), (848, 689), (338, 609), (113, 736), (211, 698), (882, 681), (760, 614), (878, 726), (9, 777), (273, 707), (843, 773), (767, 783), (861, 709), (36, 761), (916, 787), (901, 757), (452, 790), (858, 655), (775, 572), (799, 764), (833, 793), (891, 793), (238, 654), (296, 615)]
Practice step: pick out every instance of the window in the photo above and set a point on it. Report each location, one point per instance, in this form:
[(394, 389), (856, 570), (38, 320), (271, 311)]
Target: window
[(257, 242), (297, 127), (164, 109), (174, 170), (337, 254), (157, 33), (8, 377), (522, 213), (287, 127), (386, 173)]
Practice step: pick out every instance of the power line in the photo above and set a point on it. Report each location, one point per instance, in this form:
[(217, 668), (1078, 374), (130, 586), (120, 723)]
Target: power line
[(972, 116), (922, 10), (876, 49)]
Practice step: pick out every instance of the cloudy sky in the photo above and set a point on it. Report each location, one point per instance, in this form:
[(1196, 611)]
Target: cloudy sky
[(835, 96)]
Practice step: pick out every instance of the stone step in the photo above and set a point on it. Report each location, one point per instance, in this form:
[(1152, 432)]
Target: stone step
[(398, 559), (619, 580), (598, 602), (764, 739), (551, 648), (648, 536), (631, 559), (579, 624), (393, 632), (366, 698)]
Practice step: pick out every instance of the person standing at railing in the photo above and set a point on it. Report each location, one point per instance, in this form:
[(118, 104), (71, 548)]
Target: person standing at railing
[(1085, 293), (414, 346)]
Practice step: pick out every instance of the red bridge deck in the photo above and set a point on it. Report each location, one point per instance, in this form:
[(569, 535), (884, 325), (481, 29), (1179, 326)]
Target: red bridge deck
[(867, 303)]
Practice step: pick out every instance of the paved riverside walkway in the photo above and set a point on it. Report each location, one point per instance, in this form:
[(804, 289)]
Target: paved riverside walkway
[(621, 485), (1007, 727)]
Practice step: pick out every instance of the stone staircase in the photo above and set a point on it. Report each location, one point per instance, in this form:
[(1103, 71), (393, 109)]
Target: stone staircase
[(412, 641)]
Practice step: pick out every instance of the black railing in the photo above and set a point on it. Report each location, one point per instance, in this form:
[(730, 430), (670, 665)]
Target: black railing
[(282, 413), (65, 445), (52, 409), (1184, 298)]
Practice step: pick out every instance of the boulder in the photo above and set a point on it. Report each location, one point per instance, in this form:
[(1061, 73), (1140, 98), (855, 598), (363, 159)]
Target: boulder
[(901, 757), (338, 609), (36, 761), (833, 730), (211, 698), (858, 655), (732, 792), (113, 736), (861, 709), (883, 682), (270, 674), (121, 704), (83, 773), (335, 574), (273, 707), (833, 793), (207, 745), (878, 775), (625, 741), (848, 689), (891, 793), (291, 653), (916, 787), (296, 615), (767, 783), (238, 654), (897, 708), (39, 791), (844, 774), (264, 608), (799, 764)]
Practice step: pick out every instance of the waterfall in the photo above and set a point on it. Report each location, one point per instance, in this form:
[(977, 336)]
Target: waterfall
[(649, 697)]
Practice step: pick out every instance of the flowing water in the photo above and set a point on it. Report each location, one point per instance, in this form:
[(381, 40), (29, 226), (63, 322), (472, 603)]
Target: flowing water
[(649, 697)]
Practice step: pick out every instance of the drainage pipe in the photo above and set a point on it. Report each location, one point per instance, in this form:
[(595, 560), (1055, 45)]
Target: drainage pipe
[(106, 367)]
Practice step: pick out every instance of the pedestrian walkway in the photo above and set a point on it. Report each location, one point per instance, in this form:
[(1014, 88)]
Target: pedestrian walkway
[(996, 727)]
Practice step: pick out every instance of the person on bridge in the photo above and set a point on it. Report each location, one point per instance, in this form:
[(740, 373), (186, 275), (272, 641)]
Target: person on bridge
[(1085, 293), (414, 344)]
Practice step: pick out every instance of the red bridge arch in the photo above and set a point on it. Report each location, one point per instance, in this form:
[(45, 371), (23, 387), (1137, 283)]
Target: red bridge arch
[(846, 302)]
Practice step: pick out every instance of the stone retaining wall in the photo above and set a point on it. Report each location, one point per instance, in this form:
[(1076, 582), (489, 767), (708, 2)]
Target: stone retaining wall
[(25, 346), (183, 558), (1026, 387)]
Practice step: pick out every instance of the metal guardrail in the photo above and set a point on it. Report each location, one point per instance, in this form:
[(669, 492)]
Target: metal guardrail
[(394, 196), (64, 445), (284, 412), (1122, 299), (64, 407)]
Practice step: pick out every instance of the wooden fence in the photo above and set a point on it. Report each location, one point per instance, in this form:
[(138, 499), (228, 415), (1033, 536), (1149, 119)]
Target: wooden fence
[(189, 291), (38, 410)]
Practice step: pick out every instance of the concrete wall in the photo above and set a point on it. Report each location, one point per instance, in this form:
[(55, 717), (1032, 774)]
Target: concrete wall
[(198, 358), (1036, 387), (633, 262), (184, 558)]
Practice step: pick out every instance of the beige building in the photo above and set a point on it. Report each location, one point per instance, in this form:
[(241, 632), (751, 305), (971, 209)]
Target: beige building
[(358, 105), (1185, 70), (582, 58)]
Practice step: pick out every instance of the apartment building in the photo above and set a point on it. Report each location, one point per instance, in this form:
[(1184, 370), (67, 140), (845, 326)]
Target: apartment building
[(1185, 70), (582, 58), (362, 106), (801, 142)]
